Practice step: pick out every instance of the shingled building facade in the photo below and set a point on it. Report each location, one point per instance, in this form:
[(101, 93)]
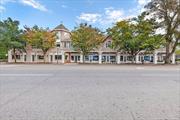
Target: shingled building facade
[(63, 52)]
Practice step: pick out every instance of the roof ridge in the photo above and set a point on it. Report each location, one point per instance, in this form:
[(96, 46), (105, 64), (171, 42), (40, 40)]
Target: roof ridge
[(61, 26)]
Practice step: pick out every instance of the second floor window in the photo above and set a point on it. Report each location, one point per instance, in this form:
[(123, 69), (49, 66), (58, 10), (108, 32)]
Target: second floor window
[(58, 44), (58, 37), (66, 44), (108, 44)]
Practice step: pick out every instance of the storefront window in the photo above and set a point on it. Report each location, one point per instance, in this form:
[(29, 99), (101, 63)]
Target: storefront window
[(78, 58), (147, 58), (121, 58), (66, 57), (86, 58), (40, 57), (72, 58), (95, 58), (129, 58), (17, 57), (113, 58), (59, 57)]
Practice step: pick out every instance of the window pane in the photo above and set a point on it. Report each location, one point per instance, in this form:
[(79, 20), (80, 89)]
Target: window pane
[(59, 57), (72, 57)]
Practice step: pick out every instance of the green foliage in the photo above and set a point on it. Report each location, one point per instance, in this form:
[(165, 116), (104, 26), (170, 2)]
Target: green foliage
[(39, 38), (168, 11), (3, 52), (85, 38), (10, 35), (135, 35), (177, 52)]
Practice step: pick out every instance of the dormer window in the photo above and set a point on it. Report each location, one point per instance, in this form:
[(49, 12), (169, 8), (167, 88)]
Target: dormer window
[(108, 44), (66, 44), (58, 36), (58, 44)]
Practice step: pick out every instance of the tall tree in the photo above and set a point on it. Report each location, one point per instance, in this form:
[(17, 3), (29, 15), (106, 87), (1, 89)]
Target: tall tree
[(85, 38), (133, 36), (10, 36), (168, 13), (40, 38)]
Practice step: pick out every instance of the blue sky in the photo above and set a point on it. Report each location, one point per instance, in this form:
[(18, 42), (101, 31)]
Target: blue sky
[(50, 13)]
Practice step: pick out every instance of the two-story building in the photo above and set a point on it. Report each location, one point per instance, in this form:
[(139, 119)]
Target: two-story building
[(63, 52)]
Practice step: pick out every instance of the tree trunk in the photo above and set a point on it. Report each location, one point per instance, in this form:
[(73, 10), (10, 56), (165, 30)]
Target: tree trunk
[(133, 59), (14, 54), (83, 58), (168, 55), (44, 57)]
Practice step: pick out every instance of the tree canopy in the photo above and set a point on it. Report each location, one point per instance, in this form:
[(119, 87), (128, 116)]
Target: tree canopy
[(10, 36), (135, 35), (167, 12), (40, 38), (86, 38)]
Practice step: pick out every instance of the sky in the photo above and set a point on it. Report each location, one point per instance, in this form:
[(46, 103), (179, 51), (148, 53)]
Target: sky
[(50, 13)]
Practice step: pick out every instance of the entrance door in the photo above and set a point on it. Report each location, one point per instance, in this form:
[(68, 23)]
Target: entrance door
[(51, 58), (24, 57), (108, 58), (76, 59), (33, 58)]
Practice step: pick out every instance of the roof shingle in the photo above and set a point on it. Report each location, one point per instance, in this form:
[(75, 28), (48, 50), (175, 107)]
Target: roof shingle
[(61, 27)]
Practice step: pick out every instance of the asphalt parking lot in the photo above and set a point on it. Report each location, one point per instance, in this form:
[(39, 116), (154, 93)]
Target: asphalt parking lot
[(89, 92)]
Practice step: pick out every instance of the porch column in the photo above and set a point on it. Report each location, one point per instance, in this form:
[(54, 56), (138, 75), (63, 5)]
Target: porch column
[(29, 57), (49, 57), (155, 57), (100, 57), (63, 57), (53, 57), (36, 57), (81, 57), (137, 58), (9, 56), (22, 58), (118, 58), (173, 58)]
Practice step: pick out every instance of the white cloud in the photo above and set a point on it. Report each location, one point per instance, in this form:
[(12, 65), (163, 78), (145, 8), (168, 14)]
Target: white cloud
[(2, 9), (141, 2), (112, 15), (89, 17), (34, 4), (2, 3)]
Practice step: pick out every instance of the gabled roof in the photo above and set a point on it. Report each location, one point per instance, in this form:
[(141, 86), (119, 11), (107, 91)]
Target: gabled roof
[(106, 37), (61, 27)]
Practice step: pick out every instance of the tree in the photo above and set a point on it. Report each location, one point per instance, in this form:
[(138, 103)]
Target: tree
[(3, 52), (168, 13), (85, 38), (40, 38), (133, 36), (10, 36)]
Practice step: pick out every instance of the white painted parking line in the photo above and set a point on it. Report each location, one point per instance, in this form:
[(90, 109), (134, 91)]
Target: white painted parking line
[(26, 75)]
